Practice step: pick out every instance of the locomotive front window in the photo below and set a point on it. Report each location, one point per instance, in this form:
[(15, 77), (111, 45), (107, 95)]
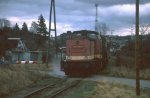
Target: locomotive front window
[(78, 35), (92, 36)]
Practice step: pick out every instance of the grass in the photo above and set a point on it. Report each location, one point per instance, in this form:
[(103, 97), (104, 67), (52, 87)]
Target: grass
[(105, 89), (126, 72), (126, 69), (15, 77), (83, 90)]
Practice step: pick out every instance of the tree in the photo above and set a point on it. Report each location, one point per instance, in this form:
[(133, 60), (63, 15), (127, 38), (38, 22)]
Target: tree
[(16, 28), (103, 28), (4, 23), (24, 27), (41, 26), (144, 28), (34, 27)]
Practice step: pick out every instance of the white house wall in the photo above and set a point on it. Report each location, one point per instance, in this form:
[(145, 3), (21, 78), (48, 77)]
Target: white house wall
[(23, 56)]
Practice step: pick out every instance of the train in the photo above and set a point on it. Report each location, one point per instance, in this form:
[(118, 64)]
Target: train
[(85, 53)]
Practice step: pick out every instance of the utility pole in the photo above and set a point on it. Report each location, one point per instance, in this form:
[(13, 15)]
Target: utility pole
[(52, 7), (137, 51)]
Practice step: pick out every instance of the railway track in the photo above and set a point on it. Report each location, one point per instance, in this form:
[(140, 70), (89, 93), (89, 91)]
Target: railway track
[(64, 89), (37, 91), (53, 90)]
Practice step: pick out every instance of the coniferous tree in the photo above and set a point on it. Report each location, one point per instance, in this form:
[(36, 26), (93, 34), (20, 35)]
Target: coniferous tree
[(24, 27), (24, 31), (41, 26), (16, 28)]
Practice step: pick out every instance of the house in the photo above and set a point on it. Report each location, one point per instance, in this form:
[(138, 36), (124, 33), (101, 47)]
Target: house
[(17, 50)]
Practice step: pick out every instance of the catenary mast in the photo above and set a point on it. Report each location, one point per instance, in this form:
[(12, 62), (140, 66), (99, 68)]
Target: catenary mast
[(96, 18), (52, 13)]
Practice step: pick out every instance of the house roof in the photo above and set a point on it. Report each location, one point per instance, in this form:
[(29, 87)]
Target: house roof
[(11, 44)]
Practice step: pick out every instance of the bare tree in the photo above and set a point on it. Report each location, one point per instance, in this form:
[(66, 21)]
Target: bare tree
[(103, 28), (144, 29), (4, 23), (34, 27)]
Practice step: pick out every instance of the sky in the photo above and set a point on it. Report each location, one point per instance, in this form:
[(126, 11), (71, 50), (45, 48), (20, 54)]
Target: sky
[(118, 15)]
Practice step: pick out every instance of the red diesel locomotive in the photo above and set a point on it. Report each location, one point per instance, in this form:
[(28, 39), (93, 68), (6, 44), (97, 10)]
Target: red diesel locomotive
[(85, 53)]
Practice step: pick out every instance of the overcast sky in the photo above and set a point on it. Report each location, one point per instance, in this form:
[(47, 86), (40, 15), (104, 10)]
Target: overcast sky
[(72, 15)]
